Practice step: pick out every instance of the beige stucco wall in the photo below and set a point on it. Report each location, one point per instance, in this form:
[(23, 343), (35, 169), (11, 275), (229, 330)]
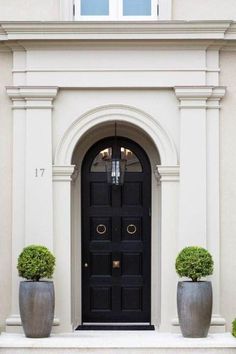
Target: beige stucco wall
[(203, 10), (33, 10), (5, 187), (228, 187), (29, 10)]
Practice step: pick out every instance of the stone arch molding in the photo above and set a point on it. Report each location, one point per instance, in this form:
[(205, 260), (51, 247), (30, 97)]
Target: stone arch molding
[(122, 113)]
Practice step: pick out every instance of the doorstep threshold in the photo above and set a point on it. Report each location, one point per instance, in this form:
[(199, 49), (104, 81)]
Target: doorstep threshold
[(106, 342), (115, 327)]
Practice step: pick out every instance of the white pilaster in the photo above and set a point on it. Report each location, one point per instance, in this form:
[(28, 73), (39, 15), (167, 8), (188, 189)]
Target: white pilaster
[(169, 178), (192, 219), (38, 201), (213, 194), (32, 175), (62, 243), (19, 64), (18, 197), (199, 175)]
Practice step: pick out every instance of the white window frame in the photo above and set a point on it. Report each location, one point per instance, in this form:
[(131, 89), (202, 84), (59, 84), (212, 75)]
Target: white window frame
[(116, 12)]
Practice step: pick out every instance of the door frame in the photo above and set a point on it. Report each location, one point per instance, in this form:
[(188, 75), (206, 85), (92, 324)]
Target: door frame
[(149, 147)]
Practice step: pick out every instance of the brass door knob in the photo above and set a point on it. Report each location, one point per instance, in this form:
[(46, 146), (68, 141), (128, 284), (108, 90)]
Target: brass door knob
[(115, 264)]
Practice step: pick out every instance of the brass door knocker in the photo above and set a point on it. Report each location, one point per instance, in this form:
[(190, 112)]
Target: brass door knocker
[(101, 229), (131, 229)]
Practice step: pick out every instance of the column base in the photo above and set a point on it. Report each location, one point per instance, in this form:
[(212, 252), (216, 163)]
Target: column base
[(218, 325), (13, 324)]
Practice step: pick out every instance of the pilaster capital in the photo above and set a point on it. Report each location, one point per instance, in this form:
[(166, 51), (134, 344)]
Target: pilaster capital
[(199, 96), (168, 173), (24, 97), (63, 173)]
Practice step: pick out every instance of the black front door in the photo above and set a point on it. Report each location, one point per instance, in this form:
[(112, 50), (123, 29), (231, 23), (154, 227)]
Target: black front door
[(116, 236)]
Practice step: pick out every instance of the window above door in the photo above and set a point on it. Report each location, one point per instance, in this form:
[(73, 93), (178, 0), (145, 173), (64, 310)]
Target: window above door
[(119, 10)]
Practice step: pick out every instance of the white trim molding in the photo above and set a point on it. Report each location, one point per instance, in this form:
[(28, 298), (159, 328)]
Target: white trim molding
[(24, 97), (199, 96), (62, 173), (15, 320), (132, 115), (168, 173), (113, 30)]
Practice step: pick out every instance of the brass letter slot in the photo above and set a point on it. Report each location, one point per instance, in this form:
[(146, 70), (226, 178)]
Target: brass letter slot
[(116, 264)]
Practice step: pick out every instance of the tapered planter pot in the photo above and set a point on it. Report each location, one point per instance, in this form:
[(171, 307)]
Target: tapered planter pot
[(37, 302), (194, 303)]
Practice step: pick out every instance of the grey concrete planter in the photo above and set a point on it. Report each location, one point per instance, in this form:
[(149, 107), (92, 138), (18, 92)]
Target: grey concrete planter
[(37, 302), (194, 303)]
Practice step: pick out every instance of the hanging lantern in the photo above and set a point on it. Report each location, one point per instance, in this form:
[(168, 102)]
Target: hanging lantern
[(115, 168), (115, 171)]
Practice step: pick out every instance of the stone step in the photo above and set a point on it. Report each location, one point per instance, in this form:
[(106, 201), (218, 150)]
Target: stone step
[(118, 342)]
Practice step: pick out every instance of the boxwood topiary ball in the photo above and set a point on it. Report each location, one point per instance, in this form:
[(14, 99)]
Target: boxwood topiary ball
[(194, 263), (234, 327), (36, 262)]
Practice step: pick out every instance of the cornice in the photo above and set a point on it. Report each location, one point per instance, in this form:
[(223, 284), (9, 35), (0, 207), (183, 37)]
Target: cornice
[(231, 32), (33, 97), (200, 96), (168, 173), (118, 30), (32, 92), (63, 173)]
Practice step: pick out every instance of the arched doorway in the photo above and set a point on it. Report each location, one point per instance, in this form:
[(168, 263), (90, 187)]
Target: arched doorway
[(116, 237), (71, 150)]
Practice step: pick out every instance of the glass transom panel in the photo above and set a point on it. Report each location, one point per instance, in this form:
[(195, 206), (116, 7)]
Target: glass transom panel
[(137, 8), (99, 163), (94, 7), (132, 162)]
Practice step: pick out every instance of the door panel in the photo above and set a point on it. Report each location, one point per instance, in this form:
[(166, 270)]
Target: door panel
[(131, 264), (100, 299), (132, 299), (116, 236), (132, 193), (100, 194), (100, 264)]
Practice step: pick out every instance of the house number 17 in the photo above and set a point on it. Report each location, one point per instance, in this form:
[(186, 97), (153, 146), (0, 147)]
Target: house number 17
[(39, 172)]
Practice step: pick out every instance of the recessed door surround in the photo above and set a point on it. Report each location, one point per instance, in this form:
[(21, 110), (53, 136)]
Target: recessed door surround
[(116, 237)]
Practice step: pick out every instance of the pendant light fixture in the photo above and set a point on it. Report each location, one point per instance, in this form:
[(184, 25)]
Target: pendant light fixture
[(115, 166)]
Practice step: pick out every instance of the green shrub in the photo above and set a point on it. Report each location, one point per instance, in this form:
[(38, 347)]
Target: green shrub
[(234, 327), (36, 262), (194, 263)]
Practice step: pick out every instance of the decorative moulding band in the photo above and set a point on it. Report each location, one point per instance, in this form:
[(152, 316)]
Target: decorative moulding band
[(216, 320), (203, 97), (63, 173), (117, 30), (32, 97), (15, 320), (32, 93), (199, 92), (168, 173)]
